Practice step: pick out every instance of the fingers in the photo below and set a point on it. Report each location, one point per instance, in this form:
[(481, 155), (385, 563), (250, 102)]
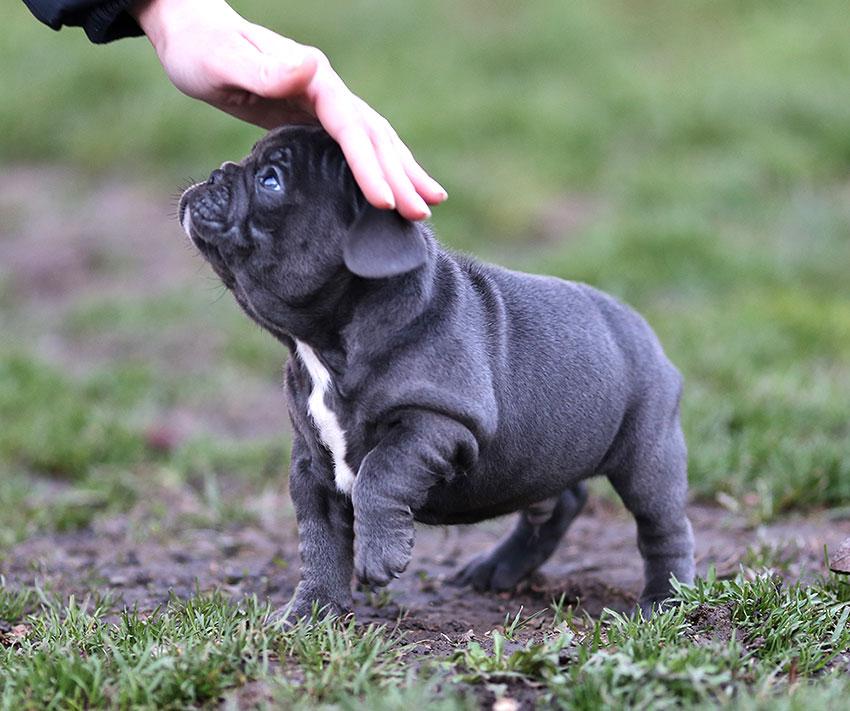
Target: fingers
[(340, 117), (407, 199), (431, 191), (271, 78), (367, 169), (412, 187), (382, 165)]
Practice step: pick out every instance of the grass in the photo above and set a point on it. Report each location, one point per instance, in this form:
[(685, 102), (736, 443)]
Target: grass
[(748, 641), (62, 427), (689, 157)]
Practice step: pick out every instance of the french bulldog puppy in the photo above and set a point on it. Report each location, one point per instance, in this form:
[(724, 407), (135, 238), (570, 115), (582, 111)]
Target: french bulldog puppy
[(426, 386)]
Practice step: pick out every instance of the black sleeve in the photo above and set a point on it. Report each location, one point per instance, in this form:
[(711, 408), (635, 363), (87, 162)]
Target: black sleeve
[(103, 20)]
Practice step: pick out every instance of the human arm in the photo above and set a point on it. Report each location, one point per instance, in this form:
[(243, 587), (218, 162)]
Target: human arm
[(213, 54)]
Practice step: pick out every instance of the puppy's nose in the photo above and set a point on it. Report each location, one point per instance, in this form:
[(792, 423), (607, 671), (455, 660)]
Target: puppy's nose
[(218, 175)]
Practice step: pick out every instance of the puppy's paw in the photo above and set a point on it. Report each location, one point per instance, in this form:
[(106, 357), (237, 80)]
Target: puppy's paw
[(651, 604), (491, 572), (383, 554), (304, 603)]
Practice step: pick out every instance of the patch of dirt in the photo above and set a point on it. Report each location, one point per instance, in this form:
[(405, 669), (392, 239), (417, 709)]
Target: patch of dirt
[(63, 234), (712, 624), (596, 566)]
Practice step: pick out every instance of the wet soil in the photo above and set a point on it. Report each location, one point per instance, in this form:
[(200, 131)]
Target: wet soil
[(596, 566)]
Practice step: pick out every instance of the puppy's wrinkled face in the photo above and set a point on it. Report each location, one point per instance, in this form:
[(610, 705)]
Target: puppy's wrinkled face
[(287, 226), (271, 226)]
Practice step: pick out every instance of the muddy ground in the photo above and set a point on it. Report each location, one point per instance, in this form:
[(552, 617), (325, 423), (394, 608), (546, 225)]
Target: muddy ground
[(101, 239), (596, 566)]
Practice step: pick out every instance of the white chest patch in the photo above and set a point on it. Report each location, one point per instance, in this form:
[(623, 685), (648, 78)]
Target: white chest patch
[(330, 431)]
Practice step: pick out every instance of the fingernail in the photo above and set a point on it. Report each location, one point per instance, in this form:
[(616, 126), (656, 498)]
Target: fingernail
[(388, 197)]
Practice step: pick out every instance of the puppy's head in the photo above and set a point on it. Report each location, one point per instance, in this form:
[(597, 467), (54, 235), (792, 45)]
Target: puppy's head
[(288, 223)]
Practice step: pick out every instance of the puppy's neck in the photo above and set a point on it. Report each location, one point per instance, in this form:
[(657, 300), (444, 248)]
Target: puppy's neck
[(370, 315), (317, 321), (385, 308)]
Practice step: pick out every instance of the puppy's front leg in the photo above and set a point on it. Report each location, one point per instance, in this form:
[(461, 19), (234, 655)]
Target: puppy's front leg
[(325, 532), (420, 449)]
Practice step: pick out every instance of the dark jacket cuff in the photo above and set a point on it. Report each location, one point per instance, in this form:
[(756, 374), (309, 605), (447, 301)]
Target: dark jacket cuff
[(110, 21), (103, 20)]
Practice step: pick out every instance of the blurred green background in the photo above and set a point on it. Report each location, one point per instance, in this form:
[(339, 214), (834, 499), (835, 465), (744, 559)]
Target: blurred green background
[(691, 157)]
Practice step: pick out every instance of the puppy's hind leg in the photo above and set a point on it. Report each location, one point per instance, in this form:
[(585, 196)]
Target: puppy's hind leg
[(653, 486), (537, 533)]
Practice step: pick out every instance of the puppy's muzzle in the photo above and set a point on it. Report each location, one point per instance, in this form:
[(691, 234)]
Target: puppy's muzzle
[(207, 206), (212, 205)]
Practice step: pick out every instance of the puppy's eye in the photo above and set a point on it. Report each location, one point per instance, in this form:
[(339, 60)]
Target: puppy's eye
[(268, 179)]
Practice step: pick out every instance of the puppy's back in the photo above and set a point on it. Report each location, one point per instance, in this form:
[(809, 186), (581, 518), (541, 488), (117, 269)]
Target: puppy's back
[(569, 354)]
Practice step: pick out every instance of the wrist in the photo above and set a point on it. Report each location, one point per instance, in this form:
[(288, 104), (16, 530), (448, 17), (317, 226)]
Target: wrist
[(158, 18)]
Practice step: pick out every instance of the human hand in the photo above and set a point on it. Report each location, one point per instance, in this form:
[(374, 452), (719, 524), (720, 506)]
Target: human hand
[(212, 53)]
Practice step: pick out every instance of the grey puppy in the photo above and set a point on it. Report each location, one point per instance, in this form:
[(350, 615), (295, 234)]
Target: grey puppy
[(426, 386)]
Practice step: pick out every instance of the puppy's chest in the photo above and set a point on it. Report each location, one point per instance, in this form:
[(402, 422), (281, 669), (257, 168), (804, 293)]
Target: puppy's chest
[(325, 420)]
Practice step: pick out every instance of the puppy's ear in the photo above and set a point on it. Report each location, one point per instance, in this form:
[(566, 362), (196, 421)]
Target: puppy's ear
[(381, 243)]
